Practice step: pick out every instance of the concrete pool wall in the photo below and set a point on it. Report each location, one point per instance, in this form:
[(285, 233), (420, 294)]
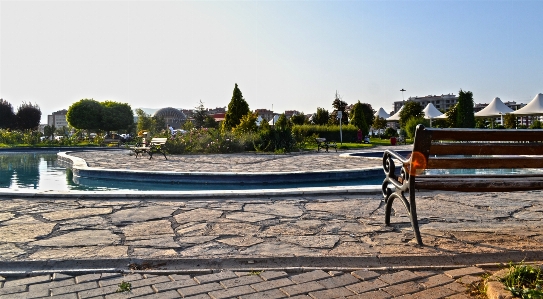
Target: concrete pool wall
[(80, 169)]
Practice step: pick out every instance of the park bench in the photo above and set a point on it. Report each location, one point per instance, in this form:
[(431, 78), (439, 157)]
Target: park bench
[(322, 143), (467, 149), (157, 145), (110, 142)]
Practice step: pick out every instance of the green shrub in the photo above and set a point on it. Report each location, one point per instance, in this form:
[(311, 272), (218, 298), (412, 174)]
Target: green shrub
[(390, 132), (204, 141), (536, 125), (331, 133), (524, 281), (10, 137), (412, 124)]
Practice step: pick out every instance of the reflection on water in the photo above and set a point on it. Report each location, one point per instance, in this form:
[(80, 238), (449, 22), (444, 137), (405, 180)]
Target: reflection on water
[(22, 170), (32, 171)]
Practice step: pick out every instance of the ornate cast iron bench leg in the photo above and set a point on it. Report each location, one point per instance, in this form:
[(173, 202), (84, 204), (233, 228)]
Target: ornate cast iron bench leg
[(403, 183)]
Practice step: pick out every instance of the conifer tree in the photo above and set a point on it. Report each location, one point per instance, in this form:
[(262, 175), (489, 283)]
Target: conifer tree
[(464, 115), (358, 118), (237, 108)]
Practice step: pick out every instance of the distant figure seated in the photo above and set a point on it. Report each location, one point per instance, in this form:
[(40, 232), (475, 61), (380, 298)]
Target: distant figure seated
[(367, 139)]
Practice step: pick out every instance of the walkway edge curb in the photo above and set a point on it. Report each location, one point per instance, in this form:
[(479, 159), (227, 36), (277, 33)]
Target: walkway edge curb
[(289, 264)]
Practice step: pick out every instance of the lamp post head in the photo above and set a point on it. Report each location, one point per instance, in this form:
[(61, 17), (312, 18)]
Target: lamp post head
[(402, 90)]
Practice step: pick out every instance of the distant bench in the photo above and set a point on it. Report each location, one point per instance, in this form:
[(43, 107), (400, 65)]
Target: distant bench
[(110, 142), (157, 145), (462, 149), (322, 143)]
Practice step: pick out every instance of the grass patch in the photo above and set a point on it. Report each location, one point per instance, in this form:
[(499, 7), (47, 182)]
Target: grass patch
[(524, 281), (477, 289), (124, 287)]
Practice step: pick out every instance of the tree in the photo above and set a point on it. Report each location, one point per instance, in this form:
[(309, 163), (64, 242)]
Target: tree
[(368, 113), (284, 140), (298, 119), (481, 123), (148, 123), (145, 121), (116, 116), (339, 105), (199, 116), (237, 108), (510, 121), (247, 123), (28, 116), (465, 117), (210, 122), (536, 125), (321, 117), (85, 114), (7, 116), (412, 124), (451, 116), (410, 109), (62, 131), (49, 131), (358, 118), (379, 123)]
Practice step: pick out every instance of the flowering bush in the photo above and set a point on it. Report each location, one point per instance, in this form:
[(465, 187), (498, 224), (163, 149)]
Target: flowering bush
[(204, 141)]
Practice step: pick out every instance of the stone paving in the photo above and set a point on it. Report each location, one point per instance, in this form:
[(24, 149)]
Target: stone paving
[(242, 162), (308, 226), (265, 233), (316, 284)]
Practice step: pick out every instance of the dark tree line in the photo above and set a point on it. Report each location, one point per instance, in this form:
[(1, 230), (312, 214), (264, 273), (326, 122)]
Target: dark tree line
[(28, 116)]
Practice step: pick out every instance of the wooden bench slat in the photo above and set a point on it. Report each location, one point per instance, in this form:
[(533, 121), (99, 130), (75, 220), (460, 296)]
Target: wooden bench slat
[(494, 149), (483, 163), (486, 135), (479, 184)]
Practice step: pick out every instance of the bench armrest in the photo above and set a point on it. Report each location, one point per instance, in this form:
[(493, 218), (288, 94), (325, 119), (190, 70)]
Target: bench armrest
[(398, 180), (397, 156)]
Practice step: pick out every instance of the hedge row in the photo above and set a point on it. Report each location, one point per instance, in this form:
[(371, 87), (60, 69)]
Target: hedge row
[(331, 133)]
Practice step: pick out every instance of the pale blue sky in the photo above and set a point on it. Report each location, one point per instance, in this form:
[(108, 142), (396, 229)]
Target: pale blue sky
[(292, 54)]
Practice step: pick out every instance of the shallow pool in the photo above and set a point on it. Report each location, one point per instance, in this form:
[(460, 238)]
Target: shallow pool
[(42, 171)]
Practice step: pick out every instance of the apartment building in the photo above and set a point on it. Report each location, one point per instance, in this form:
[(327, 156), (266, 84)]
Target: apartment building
[(442, 102), (58, 119)]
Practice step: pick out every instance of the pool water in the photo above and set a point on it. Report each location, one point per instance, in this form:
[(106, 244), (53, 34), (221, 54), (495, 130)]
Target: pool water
[(41, 171)]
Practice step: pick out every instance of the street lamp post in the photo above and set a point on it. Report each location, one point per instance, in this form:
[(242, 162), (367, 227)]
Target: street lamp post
[(402, 90)]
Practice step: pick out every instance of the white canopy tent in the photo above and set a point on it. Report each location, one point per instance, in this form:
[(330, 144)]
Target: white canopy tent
[(396, 116), (494, 109), (382, 113), (535, 107), (273, 120), (431, 112)]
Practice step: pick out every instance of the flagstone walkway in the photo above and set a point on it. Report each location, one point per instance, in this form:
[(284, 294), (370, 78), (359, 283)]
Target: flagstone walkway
[(263, 247)]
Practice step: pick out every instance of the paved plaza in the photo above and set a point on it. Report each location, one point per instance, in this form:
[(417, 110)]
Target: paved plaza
[(321, 246)]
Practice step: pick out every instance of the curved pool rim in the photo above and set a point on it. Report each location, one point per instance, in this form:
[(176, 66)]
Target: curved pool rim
[(80, 168)]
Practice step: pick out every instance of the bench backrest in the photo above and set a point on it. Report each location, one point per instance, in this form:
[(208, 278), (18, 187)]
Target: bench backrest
[(320, 139), (157, 140), (476, 149)]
